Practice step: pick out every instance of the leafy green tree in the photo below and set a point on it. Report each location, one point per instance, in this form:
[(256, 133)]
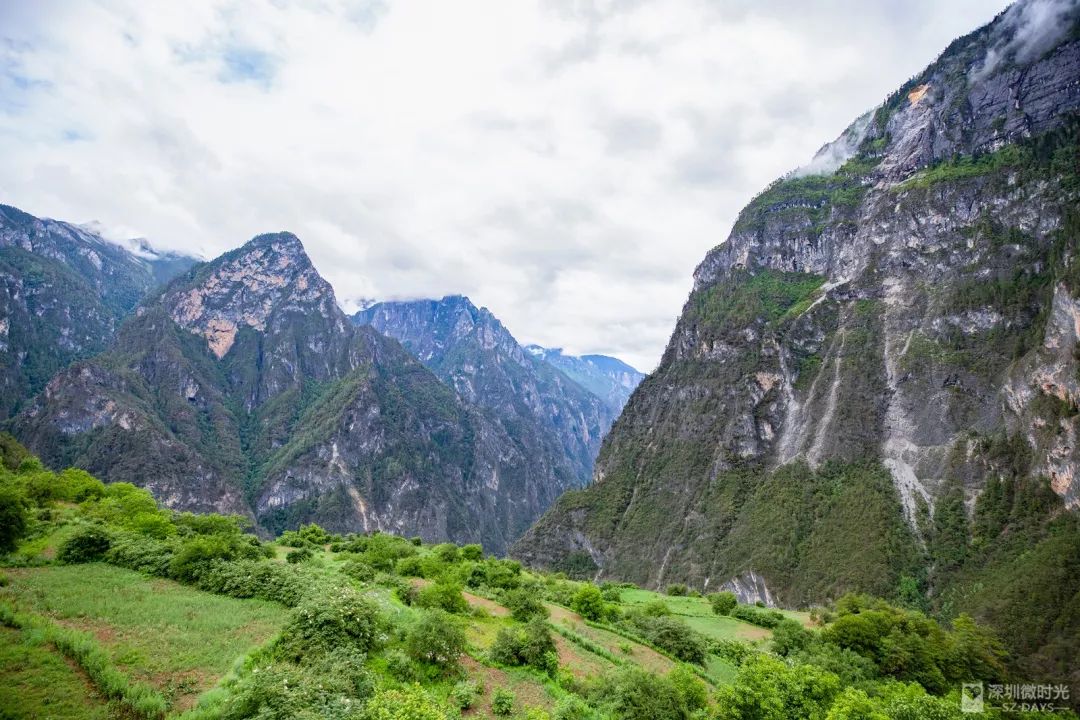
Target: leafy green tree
[(766, 688), (790, 636), (472, 552), (342, 619), (635, 694), (406, 703), (525, 603), (723, 602), (87, 544), (443, 595), (436, 638), (12, 518), (854, 704), (589, 602), (531, 645)]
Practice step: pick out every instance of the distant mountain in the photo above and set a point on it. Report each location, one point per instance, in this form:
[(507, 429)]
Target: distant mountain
[(242, 387), (550, 416), (608, 378), (63, 291)]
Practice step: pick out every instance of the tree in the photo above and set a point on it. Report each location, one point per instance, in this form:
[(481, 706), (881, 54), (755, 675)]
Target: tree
[(436, 638), (443, 595), (524, 604), (723, 602), (407, 703), (789, 636), (589, 603), (854, 704), (12, 518)]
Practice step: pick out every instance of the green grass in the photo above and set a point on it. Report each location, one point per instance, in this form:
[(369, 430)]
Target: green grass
[(36, 682), (178, 639)]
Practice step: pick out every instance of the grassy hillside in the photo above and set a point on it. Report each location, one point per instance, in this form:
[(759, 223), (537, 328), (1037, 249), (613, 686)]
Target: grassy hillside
[(111, 607)]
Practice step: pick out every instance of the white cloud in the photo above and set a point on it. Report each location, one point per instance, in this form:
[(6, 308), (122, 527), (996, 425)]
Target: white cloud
[(565, 164)]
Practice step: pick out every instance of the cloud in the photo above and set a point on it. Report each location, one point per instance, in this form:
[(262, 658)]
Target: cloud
[(566, 164), (1029, 29)]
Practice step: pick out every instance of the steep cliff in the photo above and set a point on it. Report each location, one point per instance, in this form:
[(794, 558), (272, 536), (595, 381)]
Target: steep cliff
[(242, 387), (549, 416), (63, 291), (874, 383)]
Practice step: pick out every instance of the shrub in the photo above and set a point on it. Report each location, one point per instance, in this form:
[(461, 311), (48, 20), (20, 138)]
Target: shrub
[(87, 544), (502, 701), (672, 635), (789, 636), (734, 651), (436, 638), (610, 592), (655, 608), (441, 595), (138, 552), (407, 703), (723, 602), (78, 485), (400, 665), (634, 694), (464, 694), (343, 619), (531, 645), (300, 555), (12, 518), (766, 686), (589, 603), (195, 555), (447, 552), (286, 584), (152, 524), (358, 571), (524, 604), (692, 693), (416, 540), (757, 616), (676, 590), (472, 552)]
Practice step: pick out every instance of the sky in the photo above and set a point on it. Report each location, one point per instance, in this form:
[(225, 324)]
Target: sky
[(565, 164)]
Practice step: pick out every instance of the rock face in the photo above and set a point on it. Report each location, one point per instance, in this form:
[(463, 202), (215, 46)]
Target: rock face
[(242, 387), (63, 291), (873, 385), (548, 415), (608, 378)]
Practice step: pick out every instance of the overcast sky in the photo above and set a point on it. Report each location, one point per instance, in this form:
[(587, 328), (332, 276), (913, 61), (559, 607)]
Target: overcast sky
[(566, 164)]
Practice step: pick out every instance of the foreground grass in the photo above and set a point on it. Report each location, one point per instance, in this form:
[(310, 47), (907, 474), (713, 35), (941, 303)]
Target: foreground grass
[(37, 682), (177, 639)]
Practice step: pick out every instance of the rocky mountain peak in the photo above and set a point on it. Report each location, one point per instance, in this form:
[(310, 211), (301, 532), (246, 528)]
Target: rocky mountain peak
[(269, 274)]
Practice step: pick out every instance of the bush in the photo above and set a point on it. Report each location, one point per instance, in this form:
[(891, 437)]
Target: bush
[(13, 517), (758, 616), (610, 592), (196, 554), (344, 619), (674, 636), (358, 571), (77, 485), (300, 555), (789, 636), (634, 694), (447, 552), (472, 552), (531, 645), (723, 602), (734, 651), (436, 638), (589, 603), (87, 544), (445, 596), (502, 701), (138, 552), (677, 590), (407, 703), (655, 608), (525, 604), (464, 694), (286, 584)]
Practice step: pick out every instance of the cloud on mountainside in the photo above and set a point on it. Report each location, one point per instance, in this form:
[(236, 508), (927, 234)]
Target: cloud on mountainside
[(565, 163)]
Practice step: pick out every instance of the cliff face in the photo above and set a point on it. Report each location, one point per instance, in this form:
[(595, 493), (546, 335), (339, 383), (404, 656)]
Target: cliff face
[(549, 415), (874, 380), (63, 291), (242, 387)]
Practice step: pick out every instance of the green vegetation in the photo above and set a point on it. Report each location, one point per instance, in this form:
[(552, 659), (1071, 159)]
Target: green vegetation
[(193, 617), (767, 294)]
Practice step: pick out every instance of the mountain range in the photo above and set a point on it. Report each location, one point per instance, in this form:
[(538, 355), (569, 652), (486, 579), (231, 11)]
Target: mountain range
[(240, 386), (874, 383)]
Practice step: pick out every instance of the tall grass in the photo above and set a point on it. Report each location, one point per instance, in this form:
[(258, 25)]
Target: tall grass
[(141, 699)]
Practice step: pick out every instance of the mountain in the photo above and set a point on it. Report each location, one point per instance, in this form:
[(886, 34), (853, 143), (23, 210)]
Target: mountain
[(242, 387), (874, 383), (63, 291), (549, 416), (608, 378)]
